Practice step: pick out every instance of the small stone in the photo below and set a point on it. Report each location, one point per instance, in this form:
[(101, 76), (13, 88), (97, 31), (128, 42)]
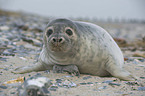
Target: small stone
[(2, 49), (132, 83), (89, 83), (29, 75), (142, 77), (135, 62), (68, 84), (111, 83), (13, 92), (53, 88), (85, 78), (141, 60), (3, 87), (141, 88), (38, 74), (23, 58), (72, 84), (3, 59), (58, 80), (104, 87), (8, 54), (83, 83), (107, 81), (69, 76), (47, 71), (6, 69), (4, 28), (141, 65), (137, 69)]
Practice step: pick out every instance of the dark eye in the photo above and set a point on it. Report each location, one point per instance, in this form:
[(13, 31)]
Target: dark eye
[(49, 32), (69, 32)]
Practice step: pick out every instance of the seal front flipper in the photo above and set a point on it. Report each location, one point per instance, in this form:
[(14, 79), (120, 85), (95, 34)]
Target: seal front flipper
[(26, 69), (71, 69)]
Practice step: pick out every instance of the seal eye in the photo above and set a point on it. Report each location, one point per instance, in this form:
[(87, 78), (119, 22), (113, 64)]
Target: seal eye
[(49, 32), (69, 32)]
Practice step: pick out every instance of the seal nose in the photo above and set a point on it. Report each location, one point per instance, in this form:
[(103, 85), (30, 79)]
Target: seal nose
[(57, 39)]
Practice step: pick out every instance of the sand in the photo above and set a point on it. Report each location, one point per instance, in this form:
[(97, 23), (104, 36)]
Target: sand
[(85, 85)]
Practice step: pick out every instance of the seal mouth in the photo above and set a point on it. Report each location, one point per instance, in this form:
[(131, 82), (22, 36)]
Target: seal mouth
[(58, 47)]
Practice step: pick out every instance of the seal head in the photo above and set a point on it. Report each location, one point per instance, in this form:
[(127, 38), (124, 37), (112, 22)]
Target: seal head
[(60, 36)]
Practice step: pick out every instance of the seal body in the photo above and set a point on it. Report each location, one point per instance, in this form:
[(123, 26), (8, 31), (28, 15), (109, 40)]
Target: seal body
[(83, 44)]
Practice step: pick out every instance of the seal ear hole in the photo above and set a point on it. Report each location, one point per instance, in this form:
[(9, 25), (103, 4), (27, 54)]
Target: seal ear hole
[(49, 32), (69, 32)]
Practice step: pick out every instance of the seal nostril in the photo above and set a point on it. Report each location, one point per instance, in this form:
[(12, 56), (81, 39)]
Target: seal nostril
[(60, 40), (54, 40)]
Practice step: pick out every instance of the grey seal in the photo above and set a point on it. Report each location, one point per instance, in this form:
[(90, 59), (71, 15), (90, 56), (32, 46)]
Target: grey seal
[(75, 46)]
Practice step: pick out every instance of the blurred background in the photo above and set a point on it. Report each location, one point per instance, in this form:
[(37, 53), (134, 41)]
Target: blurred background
[(101, 9)]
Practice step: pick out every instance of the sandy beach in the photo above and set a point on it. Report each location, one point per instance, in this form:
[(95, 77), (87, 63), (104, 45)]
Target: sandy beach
[(21, 43)]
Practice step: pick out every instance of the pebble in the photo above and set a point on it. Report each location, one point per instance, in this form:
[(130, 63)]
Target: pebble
[(4, 28), (3, 87), (135, 61), (53, 88), (142, 77), (141, 88), (132, 83), (47, 71), (38, 74), (69, 76), (104, 87), (141, 60), (111, 83), (68, 84), (83, 83), (85, 78), (13, 93), (6, 69), (7, 54), (3, 59), (58, 80), (107, 81), (23, 58), (27, 39), (89, 82)]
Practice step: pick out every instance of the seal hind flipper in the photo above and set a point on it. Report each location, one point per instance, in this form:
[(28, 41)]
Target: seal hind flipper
[(121, 73)]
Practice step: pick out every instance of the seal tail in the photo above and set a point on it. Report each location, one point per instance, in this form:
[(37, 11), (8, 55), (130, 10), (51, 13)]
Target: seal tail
[(27, 69)]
